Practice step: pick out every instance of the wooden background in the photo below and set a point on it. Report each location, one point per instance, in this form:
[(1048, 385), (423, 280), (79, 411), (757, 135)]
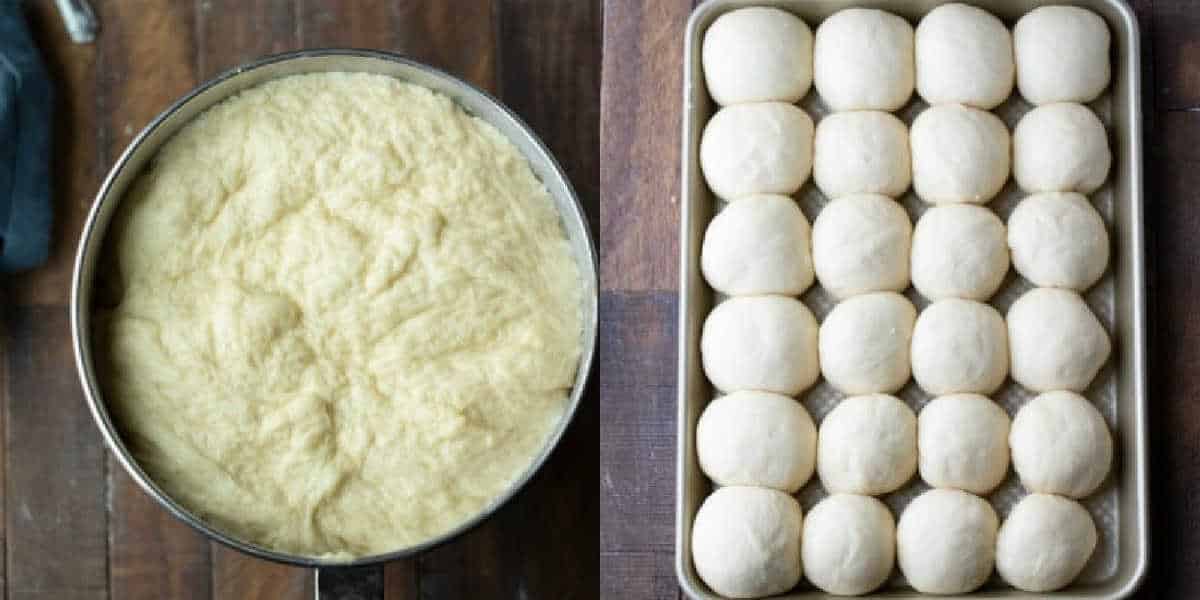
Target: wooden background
[(74, 525), (639, 176)]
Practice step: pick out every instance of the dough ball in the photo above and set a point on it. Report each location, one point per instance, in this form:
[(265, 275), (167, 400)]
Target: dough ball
[(861, 152), (746, 542), (756, 149), (867, 445), (864, 341), (764, 343), (1044, 543), (1060, 445), (757, 54), (1061, 54), (962, 443), (758, 245), (959, 154), (861, 244), (863, 60), (757, 438), (946, 542), (964, 55), (1060, 148), (959, 346), (1056, 342), (959, 251), (849, 544), (1058, 240)]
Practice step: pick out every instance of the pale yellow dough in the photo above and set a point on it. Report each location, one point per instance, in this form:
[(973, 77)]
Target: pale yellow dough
[(348, 319)]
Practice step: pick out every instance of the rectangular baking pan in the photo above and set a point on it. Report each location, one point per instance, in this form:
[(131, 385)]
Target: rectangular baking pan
[(1122, 515)]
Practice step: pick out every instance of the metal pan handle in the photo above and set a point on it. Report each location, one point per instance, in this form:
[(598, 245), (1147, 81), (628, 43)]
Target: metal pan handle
[(349, 583)]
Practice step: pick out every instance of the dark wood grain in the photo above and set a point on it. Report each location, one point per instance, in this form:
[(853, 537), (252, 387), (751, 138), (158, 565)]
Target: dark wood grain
[(1177, 54)]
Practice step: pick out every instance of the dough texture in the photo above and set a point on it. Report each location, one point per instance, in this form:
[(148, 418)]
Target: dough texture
[(863, 60), (764, 343), (757, 54), (946, 542), (962, 443), (1056, 342), (861, 244), (758, 245), (1061, 54), (959, 251), (864, 342), (1060, 148), (867, 445), (849, 544), (757, 438), (1060, 445), (861, 152), (959, 346), (761, 148), (346, 317), (959, 154), (1044, 543), (1058, 240), (964, 55), (746, 542)]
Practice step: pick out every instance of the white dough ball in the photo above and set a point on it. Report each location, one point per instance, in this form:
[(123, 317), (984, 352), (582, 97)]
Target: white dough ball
[(1060, 148), (849, 544), (861, 244), (959, 346), (964, 54), (764, 343), (746, 542), (861, 152), (757, 54), (946, 542), (867, 445), (959, 251), (959, 154), (1056, 342), (863, 343), (756, 149), (863, 60), (757, 438), (1060, 445), (758, 245), (962, 443), (1044, 543), (1058, 240), (1061, 54)]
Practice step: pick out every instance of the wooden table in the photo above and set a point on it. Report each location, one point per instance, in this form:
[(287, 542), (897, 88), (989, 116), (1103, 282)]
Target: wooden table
[(74, 525), (639, 176)]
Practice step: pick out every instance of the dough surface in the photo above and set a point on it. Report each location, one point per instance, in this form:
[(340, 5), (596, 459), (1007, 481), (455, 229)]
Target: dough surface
[(1044, 543), (763, 343), (757, 54), (861, 152), (1060, 148), (959, 346), (964, 54), (946, 542), (761, 148), (757, 438), (864, 343), (959, 154), (758, 245), (1056, 342), (849, 544), (746, 542), (863, 60), (345, 315), (959, 251), (962, 443), (1060, 445), (867, 445), (1058, 240), (861, 244), (1061, 54)]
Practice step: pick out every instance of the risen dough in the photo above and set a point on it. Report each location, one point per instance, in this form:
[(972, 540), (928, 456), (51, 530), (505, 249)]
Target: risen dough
[(763, 148), (861, 152), (959, 251), (946, 542), (959, 154), (864, 343), (1060, 148), (758, 245), (757, 438), (757, 54), (962, 443), (959, 346), (1044, 543), (1061, 54), (746, 542), (1058, 240), (849, 544), (861, 244), (1060, 445), (348, 320), (765, 343), (867, 445), (863, 60), (964, 55), (1056, 341)]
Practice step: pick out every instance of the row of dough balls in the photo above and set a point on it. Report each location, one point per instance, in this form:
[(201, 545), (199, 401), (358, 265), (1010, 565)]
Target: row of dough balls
[(864, 59)]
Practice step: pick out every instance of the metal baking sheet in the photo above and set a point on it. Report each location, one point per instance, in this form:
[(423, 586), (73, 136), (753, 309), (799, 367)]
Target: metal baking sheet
[(1120, 507)]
